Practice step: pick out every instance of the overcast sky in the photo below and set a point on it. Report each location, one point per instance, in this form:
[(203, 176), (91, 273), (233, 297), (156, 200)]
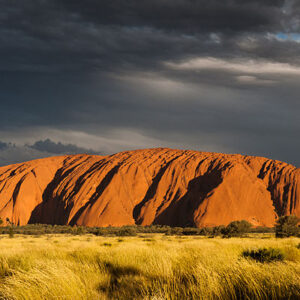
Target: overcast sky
[(106, 76)]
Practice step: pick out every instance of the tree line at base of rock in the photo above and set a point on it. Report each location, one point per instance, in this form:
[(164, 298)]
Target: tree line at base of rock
[(286, 226)]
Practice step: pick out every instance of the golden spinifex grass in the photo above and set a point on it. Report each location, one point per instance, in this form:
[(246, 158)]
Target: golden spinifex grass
[(146, 267)]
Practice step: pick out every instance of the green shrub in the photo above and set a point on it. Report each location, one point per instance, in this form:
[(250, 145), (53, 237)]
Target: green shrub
[(126, 231), (236, 229), (80, 230), (218, 230), (262, 229), (11, 232), (287, 226), (264, 255), (206, 231), (177, 230)]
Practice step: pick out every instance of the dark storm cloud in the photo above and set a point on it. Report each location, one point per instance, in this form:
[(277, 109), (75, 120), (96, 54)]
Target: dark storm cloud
[(59, 148), (11, 153), (183, 15), (3, 145), (51, 35), (102, 66)]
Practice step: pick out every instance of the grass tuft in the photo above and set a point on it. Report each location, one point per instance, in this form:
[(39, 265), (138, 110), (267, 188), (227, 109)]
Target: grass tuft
[(265, 255)]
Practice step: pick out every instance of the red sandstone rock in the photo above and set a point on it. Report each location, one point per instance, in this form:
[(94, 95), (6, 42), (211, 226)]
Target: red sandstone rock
[(153, 186)]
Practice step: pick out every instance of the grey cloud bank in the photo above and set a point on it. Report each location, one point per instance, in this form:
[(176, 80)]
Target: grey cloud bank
[(12, 153), (217, 76)]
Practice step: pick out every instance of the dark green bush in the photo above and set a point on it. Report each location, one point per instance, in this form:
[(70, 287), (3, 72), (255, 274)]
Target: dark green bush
[(218, 230), (206, 231), (287, 226), (11, 232), (177, 230), (80, 230), (126, 231), (190, 231), (262, 229), (264, 255), (236, 229)]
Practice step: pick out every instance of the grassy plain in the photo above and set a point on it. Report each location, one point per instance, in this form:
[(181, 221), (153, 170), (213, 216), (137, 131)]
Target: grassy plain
[(148, 266)]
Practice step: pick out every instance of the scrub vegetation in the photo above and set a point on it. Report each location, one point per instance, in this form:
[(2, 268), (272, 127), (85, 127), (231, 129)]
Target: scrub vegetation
[(149, 266)]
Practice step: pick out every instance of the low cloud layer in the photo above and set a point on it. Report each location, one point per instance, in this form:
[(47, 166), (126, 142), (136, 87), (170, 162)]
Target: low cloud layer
[(12, 153), (3, 145), (219, 76), (59, 148)]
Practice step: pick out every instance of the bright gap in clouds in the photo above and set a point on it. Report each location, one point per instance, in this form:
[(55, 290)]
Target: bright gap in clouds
[(288, 37), (241, 66)]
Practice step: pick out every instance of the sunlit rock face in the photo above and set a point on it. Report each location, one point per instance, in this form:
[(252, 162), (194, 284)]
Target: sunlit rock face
[(152, 186)]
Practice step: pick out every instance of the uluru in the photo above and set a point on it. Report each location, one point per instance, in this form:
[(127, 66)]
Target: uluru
[(152, 186)]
